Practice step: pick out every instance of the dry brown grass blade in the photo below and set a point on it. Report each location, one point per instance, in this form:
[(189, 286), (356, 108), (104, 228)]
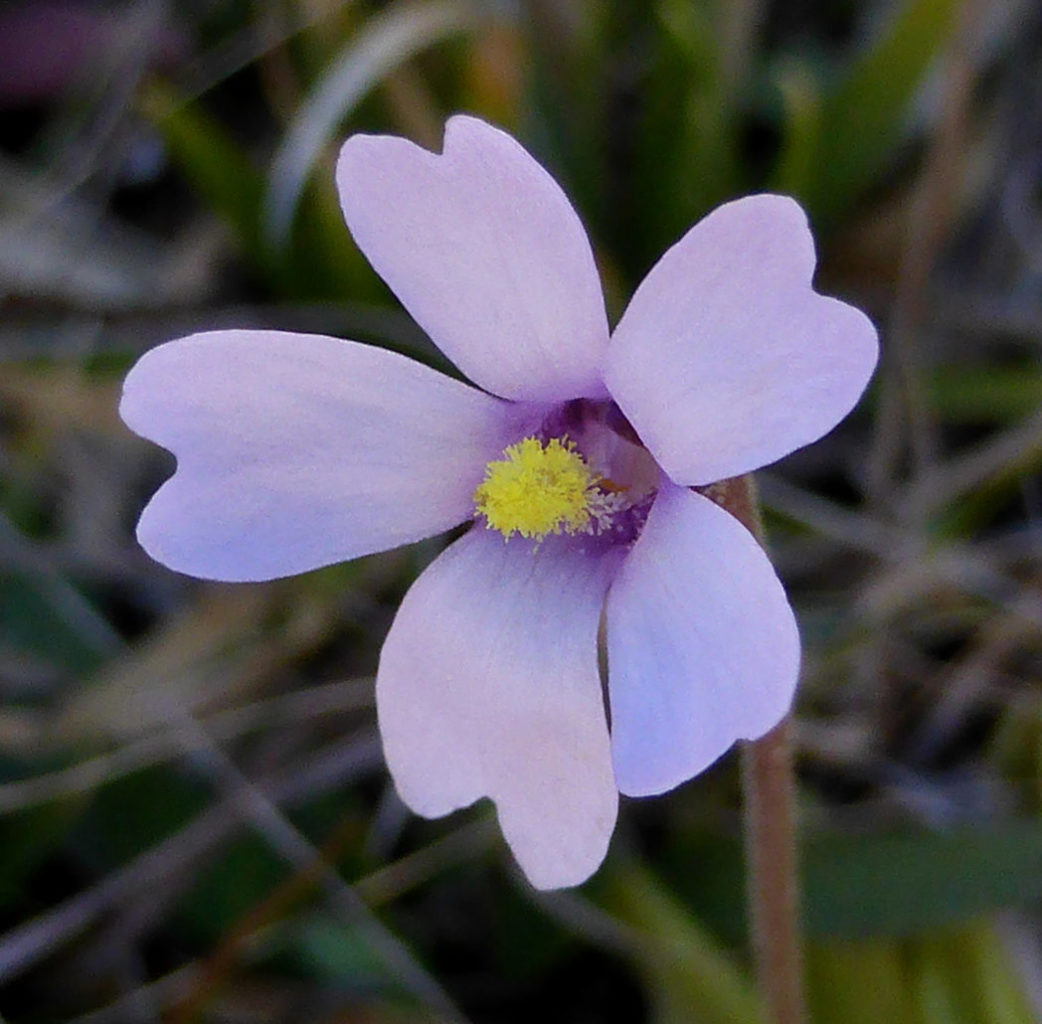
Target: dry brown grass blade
[(154, 748), (332, 767), (257, 809)]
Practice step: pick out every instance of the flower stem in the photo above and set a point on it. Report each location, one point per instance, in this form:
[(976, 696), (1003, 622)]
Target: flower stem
[(770, 828), (773, 891)]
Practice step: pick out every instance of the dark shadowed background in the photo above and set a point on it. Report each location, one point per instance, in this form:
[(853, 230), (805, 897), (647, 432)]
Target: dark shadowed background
[(174, 754)]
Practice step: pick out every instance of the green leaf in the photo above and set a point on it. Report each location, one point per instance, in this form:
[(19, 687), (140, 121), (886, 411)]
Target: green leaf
[(688, 975), (952, 976), (801, 130), (863, 117), (26, 840), (858, 982), (685, 158), (859, 886), (338, 951), (985, 394), (50, 619), (904, 884), (244, 874), (212, 161), (986, 986), (132, 813)]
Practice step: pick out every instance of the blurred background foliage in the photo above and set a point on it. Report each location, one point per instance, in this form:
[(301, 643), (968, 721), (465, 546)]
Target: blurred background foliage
[(174, 754)]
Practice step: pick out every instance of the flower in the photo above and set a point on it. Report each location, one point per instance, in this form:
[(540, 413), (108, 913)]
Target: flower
[(575, 453)]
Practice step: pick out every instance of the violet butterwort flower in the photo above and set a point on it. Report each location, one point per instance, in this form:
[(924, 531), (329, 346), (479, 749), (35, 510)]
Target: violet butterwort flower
[(574, 453)]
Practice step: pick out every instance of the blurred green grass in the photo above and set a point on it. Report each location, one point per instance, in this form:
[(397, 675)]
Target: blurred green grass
[(150, 724)]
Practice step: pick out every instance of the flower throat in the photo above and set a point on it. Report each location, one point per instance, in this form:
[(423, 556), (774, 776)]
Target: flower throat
[(547, 483)]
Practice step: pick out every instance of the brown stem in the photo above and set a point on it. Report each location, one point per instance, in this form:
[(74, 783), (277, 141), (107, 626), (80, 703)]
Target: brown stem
[(770, 828), (773, 890)]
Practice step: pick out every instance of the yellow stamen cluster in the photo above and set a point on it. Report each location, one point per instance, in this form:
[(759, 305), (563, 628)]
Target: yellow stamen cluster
[(537, 489)]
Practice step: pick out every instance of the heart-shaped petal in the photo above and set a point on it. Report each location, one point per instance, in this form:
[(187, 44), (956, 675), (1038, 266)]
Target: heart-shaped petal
[(296, 451), (484, 250), (703, 648), (488, 686), (726, 359)]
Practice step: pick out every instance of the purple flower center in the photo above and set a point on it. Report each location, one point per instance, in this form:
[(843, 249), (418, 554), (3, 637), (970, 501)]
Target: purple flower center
[(582, 473)]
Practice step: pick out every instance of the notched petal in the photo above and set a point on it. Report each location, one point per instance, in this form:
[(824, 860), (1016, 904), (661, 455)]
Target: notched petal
[(726, 358), (296, 451), (488, 686), (484, 250), (703, 648)]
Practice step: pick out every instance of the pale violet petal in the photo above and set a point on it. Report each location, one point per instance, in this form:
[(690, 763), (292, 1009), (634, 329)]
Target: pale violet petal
[(484, 250), (296, 451), (726, 359), (703, 648), (488, 686)]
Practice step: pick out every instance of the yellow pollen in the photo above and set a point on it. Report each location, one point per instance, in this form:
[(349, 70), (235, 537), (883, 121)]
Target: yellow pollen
[(538, 489)]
